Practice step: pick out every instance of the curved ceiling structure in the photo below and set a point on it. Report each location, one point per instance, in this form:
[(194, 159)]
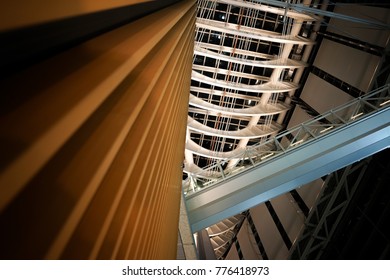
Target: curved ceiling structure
[(272, 86), (248, 61), (253, 33), (257, 110)]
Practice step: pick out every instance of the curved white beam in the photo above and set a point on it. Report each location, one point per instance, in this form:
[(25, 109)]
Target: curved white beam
[(226, 93), (236, 154), (257, 110), (276, 86), (226, 72), (273, 63), (249, 32), (199, 150), (214, 113), (221, 48), (248, 132)]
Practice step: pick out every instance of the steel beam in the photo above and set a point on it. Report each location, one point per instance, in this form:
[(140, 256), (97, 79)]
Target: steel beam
[(315, 11)]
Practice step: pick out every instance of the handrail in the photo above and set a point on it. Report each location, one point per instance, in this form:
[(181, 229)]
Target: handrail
[(289, 139)]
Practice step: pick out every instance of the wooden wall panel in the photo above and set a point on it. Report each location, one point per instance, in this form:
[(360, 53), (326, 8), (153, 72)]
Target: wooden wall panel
[(43, 11), (93, 142)]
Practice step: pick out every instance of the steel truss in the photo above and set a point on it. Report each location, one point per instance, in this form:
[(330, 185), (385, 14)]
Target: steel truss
[(337, 192)]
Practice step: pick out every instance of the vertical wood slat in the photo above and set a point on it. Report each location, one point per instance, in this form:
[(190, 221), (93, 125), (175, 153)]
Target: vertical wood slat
[(120, 227), (78, 173), (170, 159), (43, 11), (134, 138), (173, 145)]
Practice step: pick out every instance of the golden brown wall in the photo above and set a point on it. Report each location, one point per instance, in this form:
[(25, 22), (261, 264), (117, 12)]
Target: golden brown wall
[(92, 142)]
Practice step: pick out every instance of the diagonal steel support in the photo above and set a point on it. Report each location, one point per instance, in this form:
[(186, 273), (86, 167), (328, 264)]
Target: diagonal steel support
[(315, 11), (330, 209)]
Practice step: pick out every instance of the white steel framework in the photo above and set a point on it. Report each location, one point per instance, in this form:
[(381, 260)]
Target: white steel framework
[(248, 61)]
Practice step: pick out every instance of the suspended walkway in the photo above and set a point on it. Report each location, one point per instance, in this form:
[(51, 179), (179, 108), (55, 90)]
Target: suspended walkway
[(295, 157)]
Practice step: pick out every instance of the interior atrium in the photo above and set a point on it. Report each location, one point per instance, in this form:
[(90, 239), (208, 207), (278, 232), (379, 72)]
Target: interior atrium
[(209, 129)]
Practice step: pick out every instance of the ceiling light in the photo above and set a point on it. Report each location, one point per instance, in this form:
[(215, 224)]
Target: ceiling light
[(326, 129), (296, 143), (267, 156), (355, 116)]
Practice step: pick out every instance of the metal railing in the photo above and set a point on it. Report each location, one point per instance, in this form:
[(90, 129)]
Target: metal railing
[(290, 139)]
